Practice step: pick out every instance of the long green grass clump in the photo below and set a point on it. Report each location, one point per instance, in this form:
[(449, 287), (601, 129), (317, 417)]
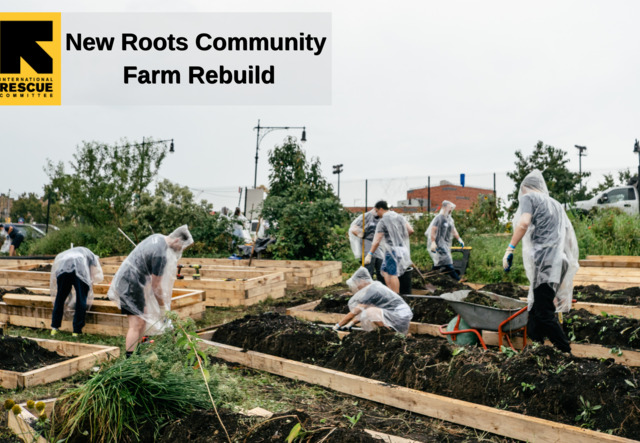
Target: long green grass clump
[(137, 395)]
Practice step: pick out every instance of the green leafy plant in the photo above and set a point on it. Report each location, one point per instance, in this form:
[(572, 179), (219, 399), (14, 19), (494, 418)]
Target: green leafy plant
[(353, 420), (526, 386), (508, 351), (616, 351), (586, 413)]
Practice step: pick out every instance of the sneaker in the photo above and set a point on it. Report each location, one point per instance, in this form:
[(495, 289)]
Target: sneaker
[(54, 331)]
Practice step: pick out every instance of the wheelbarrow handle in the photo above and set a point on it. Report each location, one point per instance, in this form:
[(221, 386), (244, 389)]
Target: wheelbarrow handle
[(436, 297)]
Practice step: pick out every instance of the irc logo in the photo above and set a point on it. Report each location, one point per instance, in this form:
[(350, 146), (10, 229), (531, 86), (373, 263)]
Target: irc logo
[(30, 58)]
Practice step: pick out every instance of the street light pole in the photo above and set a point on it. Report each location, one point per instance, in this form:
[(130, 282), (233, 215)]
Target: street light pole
[(636, 149), (337, 169), (260, 135), (582, 152)]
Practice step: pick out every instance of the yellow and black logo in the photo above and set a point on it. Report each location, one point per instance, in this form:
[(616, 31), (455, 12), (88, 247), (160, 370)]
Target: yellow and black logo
[(30, 58)]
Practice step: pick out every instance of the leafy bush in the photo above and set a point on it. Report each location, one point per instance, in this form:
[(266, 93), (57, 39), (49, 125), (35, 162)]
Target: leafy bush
[(104, 242), (607, 232)]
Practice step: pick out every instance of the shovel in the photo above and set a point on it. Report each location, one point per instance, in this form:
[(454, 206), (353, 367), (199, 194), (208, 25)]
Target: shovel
[(428, 286)]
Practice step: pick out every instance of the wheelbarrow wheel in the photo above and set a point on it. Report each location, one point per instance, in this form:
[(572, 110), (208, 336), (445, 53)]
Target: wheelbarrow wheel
[(467, 338)]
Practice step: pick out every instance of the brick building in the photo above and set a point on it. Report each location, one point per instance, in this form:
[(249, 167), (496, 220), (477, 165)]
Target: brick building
[(417, 198), (462, 197)]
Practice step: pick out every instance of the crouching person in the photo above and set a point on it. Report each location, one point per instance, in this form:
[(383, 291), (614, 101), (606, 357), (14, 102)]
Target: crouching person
[(374, 305), (143, 286), (76, 269)]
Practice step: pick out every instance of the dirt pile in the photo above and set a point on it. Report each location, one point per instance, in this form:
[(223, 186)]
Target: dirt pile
[(337, 304), (613, 331), (595, 294), (280, 335), (507, 289), (22, 355), (430, 311), (42, 268), (478, 298), (204, 427), (540, 382), (440, 281)]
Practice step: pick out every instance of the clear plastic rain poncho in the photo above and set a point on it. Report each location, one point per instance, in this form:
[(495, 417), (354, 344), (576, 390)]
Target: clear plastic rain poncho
[(444, 229), (370, 223), (239, 225), (374, 302), (86, 266), (147, 275), (549, 247), (395, 240)]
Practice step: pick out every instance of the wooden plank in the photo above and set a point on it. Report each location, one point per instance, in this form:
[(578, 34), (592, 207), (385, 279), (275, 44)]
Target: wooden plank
[(9, 379), (272, 288), (628, 358), (599, 308), (508, 424), (45, 323), (305, 307), (389, 438), (19, 425)]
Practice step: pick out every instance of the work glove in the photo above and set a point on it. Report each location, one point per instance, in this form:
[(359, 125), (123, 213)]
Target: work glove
[(507, 260), (433, 246), (461, 242), (336, 327), (347, 327), (367, 259)]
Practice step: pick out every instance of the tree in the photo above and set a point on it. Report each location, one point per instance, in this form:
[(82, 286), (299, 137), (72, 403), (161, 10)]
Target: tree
[(106, 180), (301, 207), (552, 162), (172, 206), (30, 207)]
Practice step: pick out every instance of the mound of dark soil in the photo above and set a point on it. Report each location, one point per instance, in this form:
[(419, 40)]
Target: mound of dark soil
[(507, 289), (22, 355), (306, 296), (337, 304), (42, 268), (19, 290), (478, 298), (204, 427), (540, 382), (441, 281), (280, 335), (430, 311), (613, 331), (595, 294), (8, 436)]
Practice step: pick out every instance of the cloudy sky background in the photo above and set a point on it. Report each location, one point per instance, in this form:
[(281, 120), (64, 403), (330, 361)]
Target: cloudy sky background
[(420, 88)]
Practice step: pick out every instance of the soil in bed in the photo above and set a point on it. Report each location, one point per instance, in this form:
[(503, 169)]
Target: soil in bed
[(23, 355), (540, 382), (611, 331), (8, 436), (506, 289), (43, 268), (595, 294), (20, 290), (204, 427)]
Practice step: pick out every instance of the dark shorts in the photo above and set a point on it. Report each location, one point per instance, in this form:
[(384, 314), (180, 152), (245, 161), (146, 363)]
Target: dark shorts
[(131, 298), (390, 264), (17, 241)]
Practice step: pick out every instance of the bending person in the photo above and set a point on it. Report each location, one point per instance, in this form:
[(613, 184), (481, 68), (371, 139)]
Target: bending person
[(440, 235), (550, 256), (143, 285), (374, 306), (78, 269), (15, 236), (357, 233), (392, 237)]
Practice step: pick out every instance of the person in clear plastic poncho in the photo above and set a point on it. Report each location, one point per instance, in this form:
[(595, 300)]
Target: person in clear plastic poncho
[(392, 238), (550, 256), (239, 223), (356, 235), (374, 305), (440, 234), (77, 270), (143, 285)]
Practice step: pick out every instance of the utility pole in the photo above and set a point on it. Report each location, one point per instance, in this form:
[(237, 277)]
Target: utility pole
[(636, 149), (48, 206), (366, 195), (429, 195), (582, 152), (337, 169), (265, 130)]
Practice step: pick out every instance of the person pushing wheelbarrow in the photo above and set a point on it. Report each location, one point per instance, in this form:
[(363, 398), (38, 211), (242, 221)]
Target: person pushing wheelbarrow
[(550, 257)]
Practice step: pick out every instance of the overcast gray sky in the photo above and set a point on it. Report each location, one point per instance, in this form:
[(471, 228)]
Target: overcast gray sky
[(420, 88)]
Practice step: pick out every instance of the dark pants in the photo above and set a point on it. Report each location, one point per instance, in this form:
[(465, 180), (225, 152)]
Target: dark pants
[(450, 270), (65, 282), (543, 320), (374, 267)]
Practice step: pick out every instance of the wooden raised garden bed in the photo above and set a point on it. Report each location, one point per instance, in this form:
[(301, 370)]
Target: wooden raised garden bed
[(611, 261), (238, 288), (34, 311), (86, 357), (477, 416)]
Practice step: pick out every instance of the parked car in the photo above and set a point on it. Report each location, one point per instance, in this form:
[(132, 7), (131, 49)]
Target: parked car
[(624, 198)]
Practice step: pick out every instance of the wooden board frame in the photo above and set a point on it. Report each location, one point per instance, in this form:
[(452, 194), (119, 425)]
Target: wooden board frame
[(505, 423), (87, 356)]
